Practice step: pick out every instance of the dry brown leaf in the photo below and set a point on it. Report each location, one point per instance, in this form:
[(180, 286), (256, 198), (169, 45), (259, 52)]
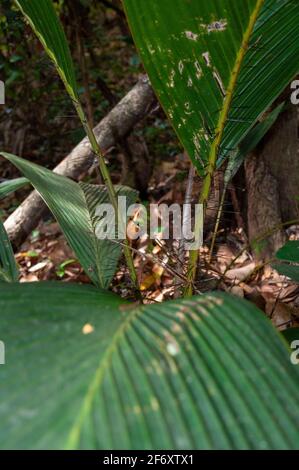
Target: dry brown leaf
[(280, 313), (237, 291), (29, 278), (240, 274), (38, 267)]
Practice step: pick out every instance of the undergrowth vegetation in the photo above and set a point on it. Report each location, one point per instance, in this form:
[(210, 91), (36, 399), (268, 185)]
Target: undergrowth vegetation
[(88, 368)]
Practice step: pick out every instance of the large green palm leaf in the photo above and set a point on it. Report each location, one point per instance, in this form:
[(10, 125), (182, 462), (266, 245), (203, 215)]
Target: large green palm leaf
[(216, 66), (85, 370)]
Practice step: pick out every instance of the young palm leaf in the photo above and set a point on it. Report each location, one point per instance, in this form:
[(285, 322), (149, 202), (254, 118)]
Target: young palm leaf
[(288, 260), (10, 186), (8, 266), (74, 205)]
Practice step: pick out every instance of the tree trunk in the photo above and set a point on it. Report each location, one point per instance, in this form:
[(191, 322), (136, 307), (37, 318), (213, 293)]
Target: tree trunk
[(115, 126), (272, 180)]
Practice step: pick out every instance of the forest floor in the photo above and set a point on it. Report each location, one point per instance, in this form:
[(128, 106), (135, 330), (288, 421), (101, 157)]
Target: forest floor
[(46, 256)]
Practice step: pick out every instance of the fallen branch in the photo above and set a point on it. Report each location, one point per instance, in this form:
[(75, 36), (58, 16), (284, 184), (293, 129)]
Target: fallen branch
[(117, 124)]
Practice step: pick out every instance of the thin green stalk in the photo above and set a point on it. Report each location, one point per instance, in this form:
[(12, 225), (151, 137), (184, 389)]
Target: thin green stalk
[(227, 177), (219, 212), (193, 258), (110, 188)]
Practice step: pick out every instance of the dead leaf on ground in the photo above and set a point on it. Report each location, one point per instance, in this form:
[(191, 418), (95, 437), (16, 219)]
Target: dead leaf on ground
[(240, 274)]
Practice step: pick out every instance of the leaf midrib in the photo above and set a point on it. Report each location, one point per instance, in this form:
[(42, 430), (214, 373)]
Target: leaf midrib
[(73, 439), (228, 99), (94, 241)]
